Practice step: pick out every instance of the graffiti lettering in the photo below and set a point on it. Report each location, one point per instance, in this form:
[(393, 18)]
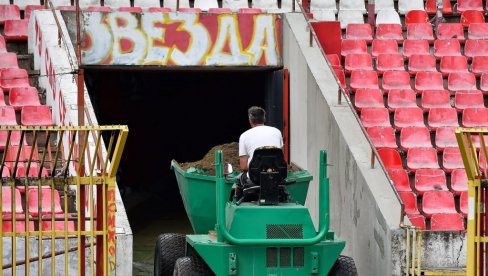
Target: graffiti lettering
[(111, 227), (185, 39)]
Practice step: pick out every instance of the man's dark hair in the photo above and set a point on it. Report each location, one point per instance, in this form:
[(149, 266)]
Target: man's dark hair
[(257, 115)]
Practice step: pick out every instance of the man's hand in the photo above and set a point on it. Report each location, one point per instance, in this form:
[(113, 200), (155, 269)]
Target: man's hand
[(243, 162)]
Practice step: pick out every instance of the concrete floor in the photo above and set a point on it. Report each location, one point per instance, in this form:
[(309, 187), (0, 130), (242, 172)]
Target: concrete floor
[(149, 216)]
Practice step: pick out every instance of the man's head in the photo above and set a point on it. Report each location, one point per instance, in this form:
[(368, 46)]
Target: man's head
[(257, 115)]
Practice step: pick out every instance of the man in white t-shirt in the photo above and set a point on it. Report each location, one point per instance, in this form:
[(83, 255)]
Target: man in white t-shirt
[(257, 136)]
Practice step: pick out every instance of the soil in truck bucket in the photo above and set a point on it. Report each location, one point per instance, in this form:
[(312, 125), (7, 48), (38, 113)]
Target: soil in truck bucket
[(207, 164)]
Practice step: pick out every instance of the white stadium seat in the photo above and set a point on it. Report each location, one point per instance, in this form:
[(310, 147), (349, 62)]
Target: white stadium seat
[(387, 17), (234, 4), (117, 3), (204, 5), (352, 5), (405, 6), (22, 3), (265, 5), (348, 17), (172, 4), (89, 3), (323, 5), (146, 3), (383, 5)]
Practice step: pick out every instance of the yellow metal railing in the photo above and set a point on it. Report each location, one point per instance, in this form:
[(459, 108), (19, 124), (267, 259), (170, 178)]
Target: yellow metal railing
[(473, 146), (65, 168)]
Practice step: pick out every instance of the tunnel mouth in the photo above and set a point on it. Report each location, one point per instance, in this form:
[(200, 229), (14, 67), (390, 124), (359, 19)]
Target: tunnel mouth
[(171, 114)]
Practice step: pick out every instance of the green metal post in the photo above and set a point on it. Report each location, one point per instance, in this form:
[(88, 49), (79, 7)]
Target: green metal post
[(221, 226)]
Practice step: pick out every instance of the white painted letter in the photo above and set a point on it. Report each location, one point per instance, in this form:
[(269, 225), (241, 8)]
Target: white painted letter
[(156, 54), (129, 42), (199, 40), (264, 40), (99, 36)]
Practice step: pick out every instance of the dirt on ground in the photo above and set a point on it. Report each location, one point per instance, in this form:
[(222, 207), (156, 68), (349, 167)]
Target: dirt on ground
[(231, 155)]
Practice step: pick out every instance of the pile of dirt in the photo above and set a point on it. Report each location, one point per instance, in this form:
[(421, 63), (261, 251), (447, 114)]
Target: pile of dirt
[(231, 155)]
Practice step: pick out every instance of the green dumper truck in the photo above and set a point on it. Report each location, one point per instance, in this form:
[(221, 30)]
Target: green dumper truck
[(263, 229)]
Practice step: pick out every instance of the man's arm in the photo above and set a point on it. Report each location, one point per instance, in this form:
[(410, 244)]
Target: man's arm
[(243, 162)]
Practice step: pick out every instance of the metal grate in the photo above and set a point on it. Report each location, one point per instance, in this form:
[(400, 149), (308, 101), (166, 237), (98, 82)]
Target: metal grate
[(285, 257), (284, 231), (271, 257), (298, 256)]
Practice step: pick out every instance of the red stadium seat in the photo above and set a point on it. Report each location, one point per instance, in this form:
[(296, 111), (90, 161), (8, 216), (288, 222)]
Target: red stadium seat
[(99, 9), (461, 81), (438, 202), (415, 47), (450, 31), (471, 5), (400, 180), (33, 171), (428, 81), (16, 30), (470, 17), (198, 10), (421, 63), (358, 62), (408, 117), (453, 64), (479, 65), (341, 76), (30, 8), (3, 45), (10, 78), (435, 99), (463, 203), (420, 31), (414, 137), (45, 201), (384, 47), (475, 117), (422, 158), (2, 98), (219, 10), (9, 12), (36, 116), (389, 31), (410, 201), (399, 98), (359, 31), (484, 83), (459, 181), (382, 137), (395, 80), (431, 7), (477, 141), (375, 117), (8, 199), (334, 60), (451, 159), (249, 10), (416, 16), (353, 46), (19, 224), (130, 9), (468, 99), (482, 161), (24, 156), (7, 116), (23, 96), (442, 117), (430, 180), (448, 47), (478, 31), (366, 98), (417, 221), (390, 62), (8, 60), (474, 48), (363, 79), (445, 138), (58, 224), (165, 9), (14, 138), (447, 222), (390, 158)]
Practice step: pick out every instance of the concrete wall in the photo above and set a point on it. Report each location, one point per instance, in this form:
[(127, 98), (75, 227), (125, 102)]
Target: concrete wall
[(319, 122), (364, 209), (57, 65)]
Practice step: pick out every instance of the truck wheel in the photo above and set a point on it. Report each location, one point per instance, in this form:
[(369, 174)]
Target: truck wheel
[(169, 247), (344, 266), (191, 266)]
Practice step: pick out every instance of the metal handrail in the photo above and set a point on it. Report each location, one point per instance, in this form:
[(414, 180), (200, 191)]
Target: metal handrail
[(342, 92)]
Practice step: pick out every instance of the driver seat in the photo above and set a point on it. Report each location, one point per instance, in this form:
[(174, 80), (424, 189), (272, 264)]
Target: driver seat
[(267, 173)]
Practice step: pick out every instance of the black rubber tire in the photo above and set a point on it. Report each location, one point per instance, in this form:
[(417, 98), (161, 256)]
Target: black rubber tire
[(191, 266), (169, 247), (344, 266)]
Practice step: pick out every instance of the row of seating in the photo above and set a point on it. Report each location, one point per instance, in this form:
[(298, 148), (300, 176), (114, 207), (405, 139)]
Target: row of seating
[(14, 198), (429, 180), (393, 33)]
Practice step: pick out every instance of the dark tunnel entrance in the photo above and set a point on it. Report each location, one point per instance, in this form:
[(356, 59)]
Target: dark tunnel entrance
[(175, 115)]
